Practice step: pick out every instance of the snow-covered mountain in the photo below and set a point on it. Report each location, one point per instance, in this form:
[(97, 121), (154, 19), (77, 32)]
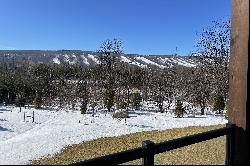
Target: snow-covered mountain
[(91, 58)]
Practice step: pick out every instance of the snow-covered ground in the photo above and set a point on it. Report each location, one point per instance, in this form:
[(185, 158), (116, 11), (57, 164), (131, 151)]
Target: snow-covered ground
[(21, 141)]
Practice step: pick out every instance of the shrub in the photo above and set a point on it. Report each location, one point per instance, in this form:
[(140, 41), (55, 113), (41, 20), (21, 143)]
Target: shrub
[(136, 100), (84, 104), (120, 114), (179, 110), (108, 99), (38, 101), (20, 101), (120, 102)]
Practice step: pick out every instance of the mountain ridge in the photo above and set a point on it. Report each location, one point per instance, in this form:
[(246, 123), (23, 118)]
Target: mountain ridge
[(89, 58)]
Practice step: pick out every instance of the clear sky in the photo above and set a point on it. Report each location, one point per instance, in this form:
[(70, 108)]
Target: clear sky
[(144, 26)]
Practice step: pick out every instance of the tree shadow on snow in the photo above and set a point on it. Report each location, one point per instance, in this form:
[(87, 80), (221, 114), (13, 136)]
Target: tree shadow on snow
[(138, 113), (4, 129), (141, 126), (3, 110), (3, 120), (191, 116)]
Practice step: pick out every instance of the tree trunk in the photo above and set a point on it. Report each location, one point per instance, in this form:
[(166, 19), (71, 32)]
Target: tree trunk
[(202, 110), (128, 92), (84, 107), (202, 104), (160, 107)]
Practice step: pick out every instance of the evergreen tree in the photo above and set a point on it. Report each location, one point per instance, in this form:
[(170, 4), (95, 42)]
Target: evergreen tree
[(84, 95), (38, 100), (84, 105), (219, 103), (108, 99), (136, 100), (20, 100)]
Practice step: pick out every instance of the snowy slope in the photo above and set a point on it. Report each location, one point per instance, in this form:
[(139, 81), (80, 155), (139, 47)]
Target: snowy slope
[(56, 60), (181, 62), (23, 141), (84, 59), (125, 59), (149, 62), (91, 58)]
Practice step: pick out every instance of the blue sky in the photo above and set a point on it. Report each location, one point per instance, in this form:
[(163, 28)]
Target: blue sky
[(144, 26)]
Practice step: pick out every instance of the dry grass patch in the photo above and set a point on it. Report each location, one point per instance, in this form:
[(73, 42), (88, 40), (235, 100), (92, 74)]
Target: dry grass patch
[(207, 152)]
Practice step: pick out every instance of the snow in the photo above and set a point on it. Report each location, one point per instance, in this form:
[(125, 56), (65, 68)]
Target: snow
[(74, 59), (186, 63), (56, 60), (85, 60), (125, 59), (67, 59), (191, 61), (181, 62), (94, 58), (138, 64), (166, 61), (53, 130), (149, 62)]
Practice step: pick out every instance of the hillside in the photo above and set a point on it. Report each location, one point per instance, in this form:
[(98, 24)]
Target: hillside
[(91, 58)]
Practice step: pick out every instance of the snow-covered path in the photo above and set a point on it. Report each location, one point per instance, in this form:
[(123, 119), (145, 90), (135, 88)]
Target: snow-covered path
[(23, 141)]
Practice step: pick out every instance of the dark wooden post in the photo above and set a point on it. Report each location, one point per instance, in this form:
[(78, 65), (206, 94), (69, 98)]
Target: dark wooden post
[(24, 116), (237, 113), (229, 145), (33, 117), (149, 158)]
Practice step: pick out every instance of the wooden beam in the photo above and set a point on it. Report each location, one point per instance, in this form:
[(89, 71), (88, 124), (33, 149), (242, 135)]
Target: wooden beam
[(238, 78)]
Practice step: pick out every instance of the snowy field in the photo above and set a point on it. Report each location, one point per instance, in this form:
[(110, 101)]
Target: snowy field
[(21, 141)]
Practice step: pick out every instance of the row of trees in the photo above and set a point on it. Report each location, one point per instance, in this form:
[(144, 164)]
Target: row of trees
[(66, 84), (121, 84)]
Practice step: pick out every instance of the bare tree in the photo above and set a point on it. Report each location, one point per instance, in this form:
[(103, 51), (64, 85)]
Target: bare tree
[(109, 51), (214, 50)]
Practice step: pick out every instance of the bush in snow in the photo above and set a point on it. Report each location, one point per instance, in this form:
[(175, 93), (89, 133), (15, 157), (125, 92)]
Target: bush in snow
[(38, 101), (121, 104), (20, 101), (179, 110), (136, 100), (84, 104), (219, 103), (108, 99), (120, 114)]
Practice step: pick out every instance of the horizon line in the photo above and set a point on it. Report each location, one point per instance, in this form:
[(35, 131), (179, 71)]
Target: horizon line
[(175, 54)]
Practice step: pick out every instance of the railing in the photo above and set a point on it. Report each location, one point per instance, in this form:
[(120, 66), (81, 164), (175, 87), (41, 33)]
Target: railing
[(149, 148)]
